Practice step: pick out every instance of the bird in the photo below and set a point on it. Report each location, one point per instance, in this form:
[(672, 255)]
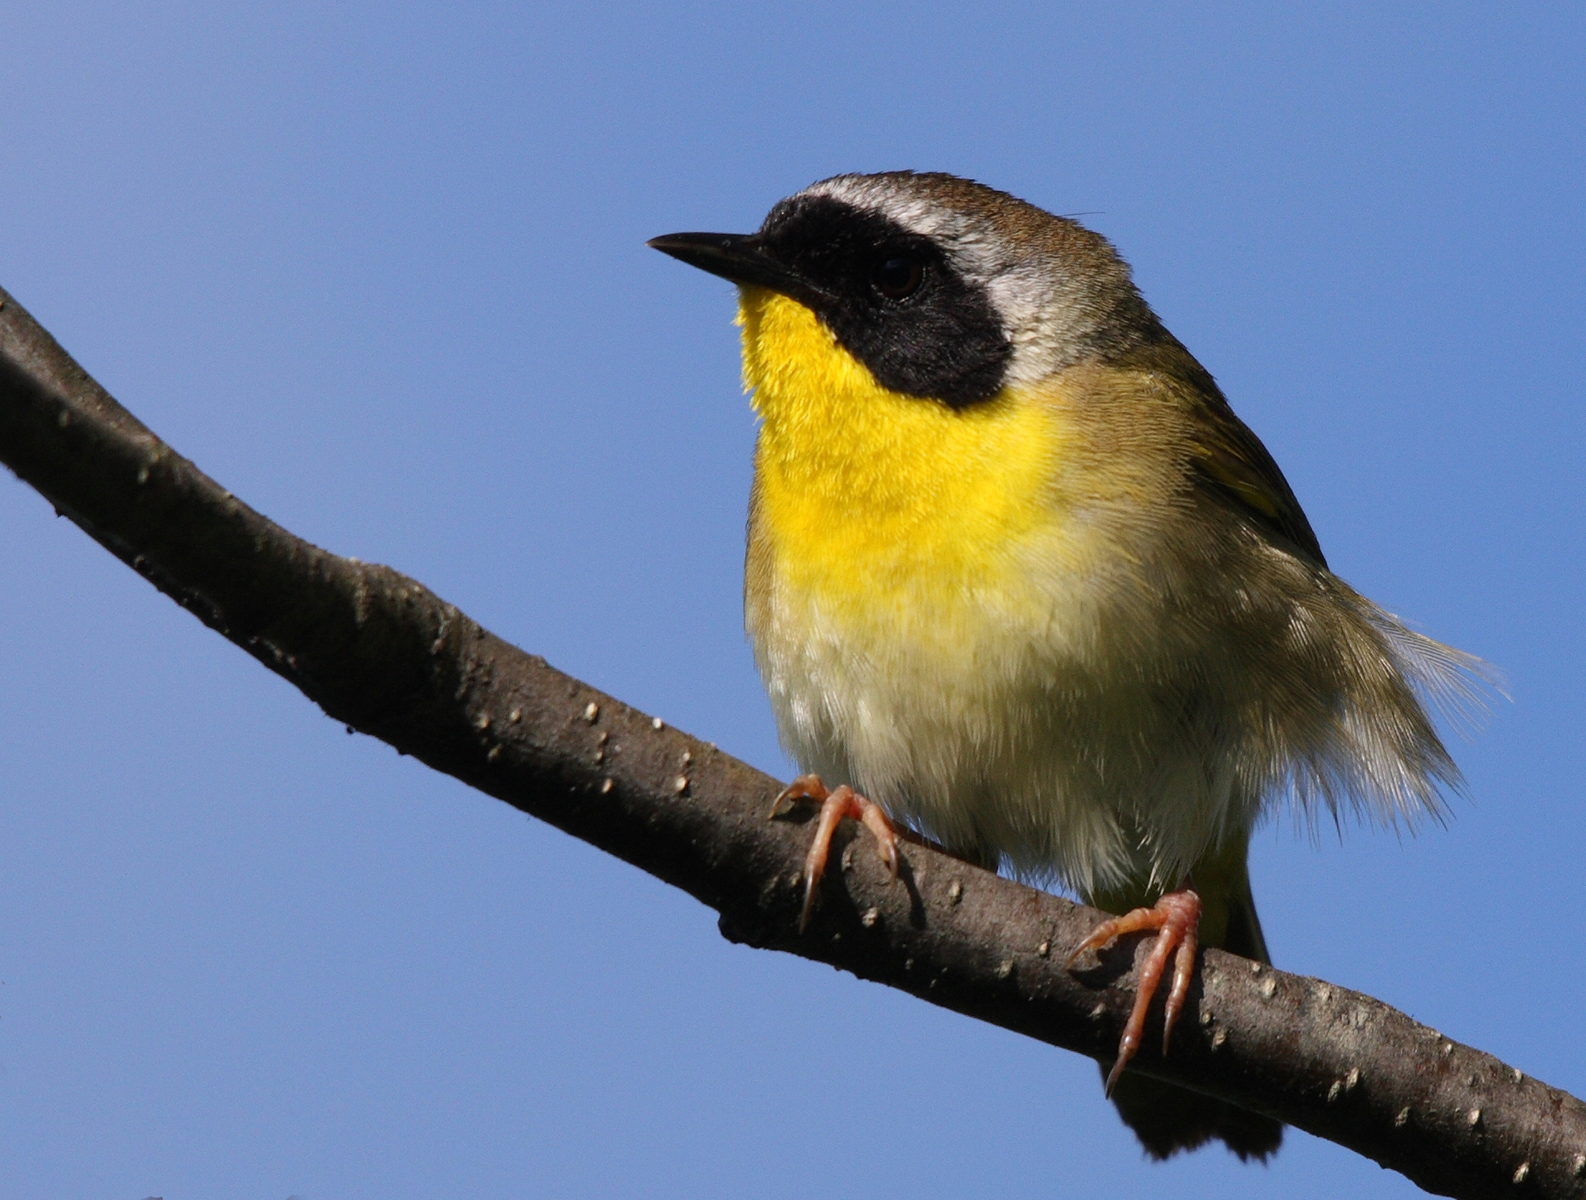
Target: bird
[(1018, 580)]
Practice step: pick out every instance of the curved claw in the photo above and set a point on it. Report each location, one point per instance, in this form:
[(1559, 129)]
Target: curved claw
[(1176, 918), (805, 787), (835, 805)]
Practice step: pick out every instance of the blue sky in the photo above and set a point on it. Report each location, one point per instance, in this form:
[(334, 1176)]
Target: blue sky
[(380, 270)]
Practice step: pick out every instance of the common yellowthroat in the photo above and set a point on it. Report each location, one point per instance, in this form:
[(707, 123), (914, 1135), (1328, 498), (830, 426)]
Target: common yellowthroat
[(1020, 579)]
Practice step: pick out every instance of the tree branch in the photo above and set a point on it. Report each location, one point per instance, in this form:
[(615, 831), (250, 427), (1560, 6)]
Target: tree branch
[(381, 653)]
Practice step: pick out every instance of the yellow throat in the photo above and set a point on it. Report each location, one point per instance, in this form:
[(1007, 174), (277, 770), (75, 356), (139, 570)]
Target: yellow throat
[(865, 493)]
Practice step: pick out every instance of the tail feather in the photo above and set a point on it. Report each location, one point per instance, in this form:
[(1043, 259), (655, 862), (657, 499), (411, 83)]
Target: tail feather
[(1168, 1119)]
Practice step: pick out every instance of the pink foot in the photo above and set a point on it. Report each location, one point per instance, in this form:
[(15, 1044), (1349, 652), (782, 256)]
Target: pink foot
[(835, 805), (1176, 917)]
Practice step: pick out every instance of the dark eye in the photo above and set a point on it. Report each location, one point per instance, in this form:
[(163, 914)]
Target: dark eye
[(898, 277)]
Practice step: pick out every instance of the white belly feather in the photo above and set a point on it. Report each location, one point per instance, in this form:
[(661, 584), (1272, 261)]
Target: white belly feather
[(1012, 718)]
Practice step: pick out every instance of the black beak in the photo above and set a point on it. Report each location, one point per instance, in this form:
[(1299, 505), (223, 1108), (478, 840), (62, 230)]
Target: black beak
[(740, 257)]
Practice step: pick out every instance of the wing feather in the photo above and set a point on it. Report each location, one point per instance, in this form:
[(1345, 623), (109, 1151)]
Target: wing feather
[(1228, 460)]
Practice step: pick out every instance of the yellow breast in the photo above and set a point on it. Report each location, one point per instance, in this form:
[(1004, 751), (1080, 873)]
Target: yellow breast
[(879, 503)]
